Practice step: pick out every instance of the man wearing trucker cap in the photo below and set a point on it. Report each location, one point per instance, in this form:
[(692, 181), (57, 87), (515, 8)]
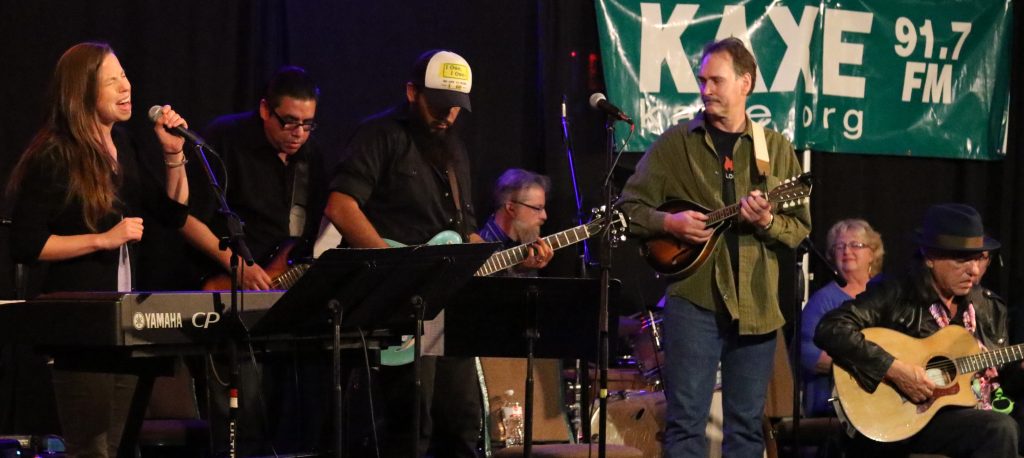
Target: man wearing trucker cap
[(405, 177)]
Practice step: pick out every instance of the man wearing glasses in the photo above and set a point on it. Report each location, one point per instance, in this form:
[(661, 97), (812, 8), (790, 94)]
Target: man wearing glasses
[(940, 289), (520, 196), (272, 175)]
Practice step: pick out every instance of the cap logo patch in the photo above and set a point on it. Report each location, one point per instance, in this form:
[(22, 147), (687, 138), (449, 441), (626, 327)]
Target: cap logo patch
[(455, 71)]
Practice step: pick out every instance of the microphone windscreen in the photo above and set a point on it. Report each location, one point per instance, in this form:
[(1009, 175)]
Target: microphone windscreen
[(155, 112), (596, 98)]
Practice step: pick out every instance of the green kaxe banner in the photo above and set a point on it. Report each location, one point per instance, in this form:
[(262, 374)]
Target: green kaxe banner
[(922, 78)]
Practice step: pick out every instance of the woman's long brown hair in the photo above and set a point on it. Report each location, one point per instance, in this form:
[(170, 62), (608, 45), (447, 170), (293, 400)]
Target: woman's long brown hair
[(71, 136)]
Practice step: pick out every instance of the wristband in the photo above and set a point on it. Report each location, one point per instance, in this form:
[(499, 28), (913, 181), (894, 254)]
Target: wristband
[(171, 165)]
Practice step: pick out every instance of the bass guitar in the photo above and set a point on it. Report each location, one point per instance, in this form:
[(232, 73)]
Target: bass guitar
[(282, 270), (950, 357), (403, 354), (676, 258)]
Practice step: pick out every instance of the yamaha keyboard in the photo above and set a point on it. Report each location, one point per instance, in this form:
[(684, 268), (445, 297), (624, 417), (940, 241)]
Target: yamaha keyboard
[(137, 319)]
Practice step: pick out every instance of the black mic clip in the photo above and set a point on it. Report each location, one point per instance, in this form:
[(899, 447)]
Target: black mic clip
[(807, 245)]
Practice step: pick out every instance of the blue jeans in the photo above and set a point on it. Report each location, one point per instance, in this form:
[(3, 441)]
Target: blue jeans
[(695, 341)]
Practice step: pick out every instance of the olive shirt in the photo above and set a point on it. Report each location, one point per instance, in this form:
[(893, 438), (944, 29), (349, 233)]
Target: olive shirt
[(683, 164)]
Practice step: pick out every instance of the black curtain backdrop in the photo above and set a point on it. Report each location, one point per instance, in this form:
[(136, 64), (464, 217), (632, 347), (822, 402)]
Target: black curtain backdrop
[(211, 58)]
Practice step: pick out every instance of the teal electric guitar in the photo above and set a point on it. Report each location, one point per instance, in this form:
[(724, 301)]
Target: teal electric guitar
[(403, 354)]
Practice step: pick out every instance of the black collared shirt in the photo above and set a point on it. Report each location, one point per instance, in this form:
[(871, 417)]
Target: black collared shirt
[(405, 197), (259, 185)]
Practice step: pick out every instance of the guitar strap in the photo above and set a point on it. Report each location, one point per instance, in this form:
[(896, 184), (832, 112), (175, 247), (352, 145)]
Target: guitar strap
[(453, 183), (300, 198), (760, 149)]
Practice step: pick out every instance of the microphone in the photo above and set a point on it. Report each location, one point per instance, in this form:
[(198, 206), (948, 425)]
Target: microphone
[(599, 102), (156, 111)]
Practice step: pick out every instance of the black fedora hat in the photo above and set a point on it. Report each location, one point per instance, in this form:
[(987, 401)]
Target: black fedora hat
[(954, 227)]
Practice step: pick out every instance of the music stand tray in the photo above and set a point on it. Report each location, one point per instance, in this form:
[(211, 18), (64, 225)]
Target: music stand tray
[(373, 286), (489, 316)]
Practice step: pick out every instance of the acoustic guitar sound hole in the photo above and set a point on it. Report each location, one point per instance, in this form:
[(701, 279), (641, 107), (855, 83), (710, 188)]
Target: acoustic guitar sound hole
[(941, 371)]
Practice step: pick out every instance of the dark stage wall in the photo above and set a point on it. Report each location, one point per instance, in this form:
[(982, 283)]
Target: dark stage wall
[(210, 58)]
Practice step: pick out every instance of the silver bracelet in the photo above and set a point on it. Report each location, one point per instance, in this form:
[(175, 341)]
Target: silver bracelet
[(171, 165)]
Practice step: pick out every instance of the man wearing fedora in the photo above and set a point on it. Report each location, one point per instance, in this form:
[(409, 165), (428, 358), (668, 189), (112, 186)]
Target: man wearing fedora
[(938, 290)]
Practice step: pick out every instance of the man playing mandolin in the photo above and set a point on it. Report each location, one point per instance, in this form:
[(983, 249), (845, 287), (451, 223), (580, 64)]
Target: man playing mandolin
[(940, 290), (726, 309)]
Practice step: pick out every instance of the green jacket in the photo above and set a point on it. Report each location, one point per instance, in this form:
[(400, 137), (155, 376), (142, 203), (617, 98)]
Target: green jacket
[(683, 164)]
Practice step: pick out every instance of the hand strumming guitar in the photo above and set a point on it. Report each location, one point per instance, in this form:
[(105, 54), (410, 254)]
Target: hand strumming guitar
[(688, 225), (911, 380), (254, 278)]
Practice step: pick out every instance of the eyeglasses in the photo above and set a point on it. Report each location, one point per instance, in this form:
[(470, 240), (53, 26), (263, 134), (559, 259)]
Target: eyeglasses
[(841, 246), (531, 207), (292, 124)]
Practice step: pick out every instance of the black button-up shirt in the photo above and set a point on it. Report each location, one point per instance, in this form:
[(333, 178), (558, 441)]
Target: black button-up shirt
[(258, 184), (402, 194)]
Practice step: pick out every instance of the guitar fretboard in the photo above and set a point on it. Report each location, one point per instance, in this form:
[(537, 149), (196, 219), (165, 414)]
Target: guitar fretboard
[(290, 277), (722, 214), (504, 259), (994, 358), (782, 193)]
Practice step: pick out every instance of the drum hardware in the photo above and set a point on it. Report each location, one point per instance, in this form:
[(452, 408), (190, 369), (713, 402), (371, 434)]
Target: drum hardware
[(647, 349)]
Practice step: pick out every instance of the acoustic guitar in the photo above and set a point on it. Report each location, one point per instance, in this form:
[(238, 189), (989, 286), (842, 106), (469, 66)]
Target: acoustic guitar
[(399, 355), (282, 270), (676, 258), (950, 357)]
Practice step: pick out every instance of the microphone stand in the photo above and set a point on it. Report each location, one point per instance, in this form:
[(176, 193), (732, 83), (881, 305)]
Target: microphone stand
[(567, 143), (235, 242), (604, 259), (577, 410), (806, 245)]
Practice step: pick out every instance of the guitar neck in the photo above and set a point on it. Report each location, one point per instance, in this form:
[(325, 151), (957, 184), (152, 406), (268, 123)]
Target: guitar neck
[(722, 214), (994, 358), (504, 259)]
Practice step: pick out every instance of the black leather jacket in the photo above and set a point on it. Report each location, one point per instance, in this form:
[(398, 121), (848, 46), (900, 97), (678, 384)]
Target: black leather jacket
[(900, 304)]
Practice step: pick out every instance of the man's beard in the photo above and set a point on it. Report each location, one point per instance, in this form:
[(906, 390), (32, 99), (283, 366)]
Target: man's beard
[(436, 145), (525, 233)]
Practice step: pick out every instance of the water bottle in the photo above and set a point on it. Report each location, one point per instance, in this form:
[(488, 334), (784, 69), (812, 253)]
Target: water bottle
[(512, 419)]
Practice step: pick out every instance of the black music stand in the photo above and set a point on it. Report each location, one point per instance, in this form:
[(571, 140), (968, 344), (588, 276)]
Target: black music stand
[(395, 288), (524, 317)]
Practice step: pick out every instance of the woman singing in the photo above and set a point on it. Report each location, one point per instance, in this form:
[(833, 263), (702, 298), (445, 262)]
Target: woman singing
[(78, 193)]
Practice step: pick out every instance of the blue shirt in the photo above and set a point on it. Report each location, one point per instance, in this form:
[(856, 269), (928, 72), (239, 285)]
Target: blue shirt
[(817, 387)]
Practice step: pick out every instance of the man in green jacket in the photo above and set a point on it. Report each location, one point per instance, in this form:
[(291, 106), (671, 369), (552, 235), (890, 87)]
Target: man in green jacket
[(726, 311)]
